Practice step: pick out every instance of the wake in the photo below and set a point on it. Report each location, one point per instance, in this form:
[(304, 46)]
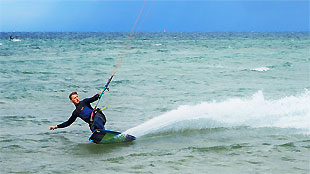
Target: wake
[(287, 112)]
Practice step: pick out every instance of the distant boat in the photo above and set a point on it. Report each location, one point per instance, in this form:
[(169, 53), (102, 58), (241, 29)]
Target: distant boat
[(164, 30)]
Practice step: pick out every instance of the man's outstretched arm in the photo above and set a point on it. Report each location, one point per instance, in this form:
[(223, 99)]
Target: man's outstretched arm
[(66, 123)]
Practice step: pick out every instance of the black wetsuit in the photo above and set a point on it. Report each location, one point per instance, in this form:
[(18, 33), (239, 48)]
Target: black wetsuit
[(83, 110), (11, 37)]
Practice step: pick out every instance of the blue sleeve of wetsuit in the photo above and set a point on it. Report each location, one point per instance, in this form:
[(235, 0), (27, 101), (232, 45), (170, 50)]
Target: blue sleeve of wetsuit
[(92, 99), (69, 121)]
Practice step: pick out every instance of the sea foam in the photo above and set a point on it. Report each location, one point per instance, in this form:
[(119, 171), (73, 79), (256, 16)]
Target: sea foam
[(261, 69), (254, 111)]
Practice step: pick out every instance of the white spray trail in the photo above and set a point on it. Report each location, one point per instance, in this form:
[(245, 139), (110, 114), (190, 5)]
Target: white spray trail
[(288, 112)]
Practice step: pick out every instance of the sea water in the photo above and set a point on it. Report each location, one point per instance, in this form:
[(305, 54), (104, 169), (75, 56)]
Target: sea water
[(197, 102)]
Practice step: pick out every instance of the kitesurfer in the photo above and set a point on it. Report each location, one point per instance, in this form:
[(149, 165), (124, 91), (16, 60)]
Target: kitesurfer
[(84, 110), (11, 37)]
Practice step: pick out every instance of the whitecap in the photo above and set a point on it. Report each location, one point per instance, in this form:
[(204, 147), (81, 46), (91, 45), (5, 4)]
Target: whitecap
[(261, 69)]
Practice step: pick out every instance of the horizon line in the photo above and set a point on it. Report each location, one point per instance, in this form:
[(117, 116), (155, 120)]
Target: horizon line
[(155, 31)]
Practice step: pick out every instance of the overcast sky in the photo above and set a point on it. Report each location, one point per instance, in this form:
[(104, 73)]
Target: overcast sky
[(172, 16)]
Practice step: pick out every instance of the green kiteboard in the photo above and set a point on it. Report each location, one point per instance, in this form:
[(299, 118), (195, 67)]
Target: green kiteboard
[(100, 136)]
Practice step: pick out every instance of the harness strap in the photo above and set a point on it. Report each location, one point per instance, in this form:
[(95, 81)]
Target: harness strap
[(91, 116), (92, 113)]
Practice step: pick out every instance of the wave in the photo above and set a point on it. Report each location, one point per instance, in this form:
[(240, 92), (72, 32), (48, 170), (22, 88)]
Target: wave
[(260, 69), (254, 111), (158, 44), (267, 68)]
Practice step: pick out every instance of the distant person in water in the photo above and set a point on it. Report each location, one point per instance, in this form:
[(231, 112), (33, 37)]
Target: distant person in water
[(11, 37), (84, 110)]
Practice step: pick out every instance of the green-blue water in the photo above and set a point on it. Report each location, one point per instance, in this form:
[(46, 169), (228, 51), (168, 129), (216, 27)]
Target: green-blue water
[(197, 102)]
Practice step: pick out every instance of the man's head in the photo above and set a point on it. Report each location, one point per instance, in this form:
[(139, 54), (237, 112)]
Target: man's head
[(74, 98)]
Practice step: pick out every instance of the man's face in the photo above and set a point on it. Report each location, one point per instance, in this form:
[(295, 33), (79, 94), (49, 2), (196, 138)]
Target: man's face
[(75, 99)]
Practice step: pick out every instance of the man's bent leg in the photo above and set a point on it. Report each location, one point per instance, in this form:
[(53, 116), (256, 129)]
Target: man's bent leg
[(99, 121)]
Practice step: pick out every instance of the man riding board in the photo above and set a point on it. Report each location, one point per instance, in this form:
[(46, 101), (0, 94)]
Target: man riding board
[(95, 118)]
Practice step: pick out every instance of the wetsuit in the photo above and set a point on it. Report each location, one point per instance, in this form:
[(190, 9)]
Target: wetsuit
[(83, 110)]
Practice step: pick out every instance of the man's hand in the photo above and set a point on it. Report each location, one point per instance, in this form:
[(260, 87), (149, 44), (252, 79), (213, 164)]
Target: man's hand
[(100, 93), (53, 127)]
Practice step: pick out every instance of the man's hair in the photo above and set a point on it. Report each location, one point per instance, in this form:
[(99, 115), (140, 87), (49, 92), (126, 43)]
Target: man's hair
[(72, 93)]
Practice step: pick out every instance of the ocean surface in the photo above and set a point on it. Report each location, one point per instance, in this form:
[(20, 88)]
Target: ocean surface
[(197, 102)]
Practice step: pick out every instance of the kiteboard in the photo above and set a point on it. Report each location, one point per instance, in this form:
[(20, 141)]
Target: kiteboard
[(101, 136)]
